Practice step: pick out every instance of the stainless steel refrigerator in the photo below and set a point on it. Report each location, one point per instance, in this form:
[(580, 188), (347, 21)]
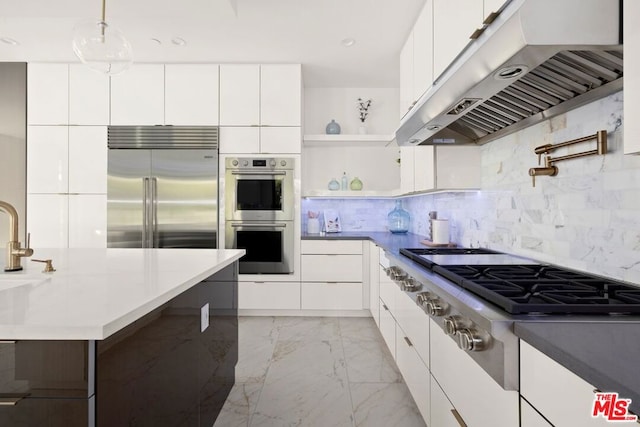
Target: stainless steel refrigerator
[(162, 187)]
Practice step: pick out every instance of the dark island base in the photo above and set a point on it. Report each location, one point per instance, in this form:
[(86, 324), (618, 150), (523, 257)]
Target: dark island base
[(159, 371)]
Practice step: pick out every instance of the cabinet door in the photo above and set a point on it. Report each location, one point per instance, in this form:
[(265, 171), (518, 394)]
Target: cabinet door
[(476, 396), (47, 412), (424, 167), (562, 397), (415, 324), (191, 94), (415, 373), (88, 96), (407, 169), (47, 94), (529, 417), (388, 328), (269, 295), (239, 140), (331, 268), (88, 146), (280, 140), (423, 51), (47, 159), (406, 76), (443, 414), (453, 22), (331, 296), (137, 96), (281, 95), (47, 220), (374, 282), (491, 6), (632, 75), (88, 221), (239, 95)]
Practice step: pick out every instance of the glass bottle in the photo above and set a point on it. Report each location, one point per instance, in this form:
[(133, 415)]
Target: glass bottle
[(344, 182), (398, 219)]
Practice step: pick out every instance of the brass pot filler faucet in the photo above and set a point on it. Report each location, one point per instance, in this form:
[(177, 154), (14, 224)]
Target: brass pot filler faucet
[(550, 169)]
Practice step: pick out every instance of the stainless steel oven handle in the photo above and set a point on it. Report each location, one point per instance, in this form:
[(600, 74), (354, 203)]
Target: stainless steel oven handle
[(257, 224), (237, 172)]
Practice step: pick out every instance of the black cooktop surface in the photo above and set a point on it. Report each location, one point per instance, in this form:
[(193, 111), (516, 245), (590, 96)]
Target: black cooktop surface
[(536, 288)]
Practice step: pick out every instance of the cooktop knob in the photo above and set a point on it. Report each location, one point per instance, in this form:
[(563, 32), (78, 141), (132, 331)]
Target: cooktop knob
[(411, 285), (435, 307), (471, 340), (422, 297), (452, 324)]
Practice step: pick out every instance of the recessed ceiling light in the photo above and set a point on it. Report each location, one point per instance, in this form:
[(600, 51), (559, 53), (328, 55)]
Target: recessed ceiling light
[(510, 72), (179, 41), (156, 41), (9, 41), (348, 42)]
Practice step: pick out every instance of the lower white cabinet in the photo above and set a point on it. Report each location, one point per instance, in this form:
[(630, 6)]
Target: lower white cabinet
[(477, 397), (414, 371), (388, 328), (374, 282), (88, 221), (269, 295), (415, 322), (332, 275), (529, 417), (562, 397), (443, 414)]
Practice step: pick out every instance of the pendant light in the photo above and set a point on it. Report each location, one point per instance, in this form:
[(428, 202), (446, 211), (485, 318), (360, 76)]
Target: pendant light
[(102, 47)]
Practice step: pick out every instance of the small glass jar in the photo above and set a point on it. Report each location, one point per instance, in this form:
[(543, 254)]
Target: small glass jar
[(398, 219), (356, 184)]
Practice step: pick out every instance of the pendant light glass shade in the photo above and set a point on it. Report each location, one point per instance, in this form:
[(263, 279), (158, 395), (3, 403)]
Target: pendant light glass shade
[(102, 47)]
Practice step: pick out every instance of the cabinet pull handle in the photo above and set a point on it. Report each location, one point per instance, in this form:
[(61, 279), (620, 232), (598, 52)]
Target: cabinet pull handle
[(408, 341), (11, 400), (7, 342), (458, 418), (490, 18), (476, 33), (385, 307)]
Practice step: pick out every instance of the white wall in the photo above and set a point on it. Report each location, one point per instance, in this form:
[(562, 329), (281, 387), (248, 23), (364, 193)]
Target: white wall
[(323, 104)]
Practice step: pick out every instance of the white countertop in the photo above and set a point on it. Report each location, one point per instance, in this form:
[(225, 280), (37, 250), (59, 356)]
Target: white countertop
[(96, 292)]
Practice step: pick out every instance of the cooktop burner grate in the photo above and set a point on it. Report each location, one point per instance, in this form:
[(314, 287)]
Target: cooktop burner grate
[(520, 289)]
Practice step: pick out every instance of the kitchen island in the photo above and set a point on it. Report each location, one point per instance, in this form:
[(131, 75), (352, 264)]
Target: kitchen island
[(118, 337)]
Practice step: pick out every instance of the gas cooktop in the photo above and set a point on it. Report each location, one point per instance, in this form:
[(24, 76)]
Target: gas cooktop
[(519, 285)]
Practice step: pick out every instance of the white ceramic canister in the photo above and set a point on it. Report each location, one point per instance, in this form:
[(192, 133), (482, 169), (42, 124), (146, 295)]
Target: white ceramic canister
[(440, 231)]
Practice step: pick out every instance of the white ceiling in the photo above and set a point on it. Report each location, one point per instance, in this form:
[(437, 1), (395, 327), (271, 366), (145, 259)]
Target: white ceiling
[(229, 31)]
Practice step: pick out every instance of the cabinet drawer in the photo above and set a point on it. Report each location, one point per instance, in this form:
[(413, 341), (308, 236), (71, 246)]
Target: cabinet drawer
[(443, 414), (415, 373), (331, 296), (529, 417), (269, 295), (476, 396), (49, 413), (331, 247), (415, 324), (388, 328), (332, 268), (561, 396), (388, 291)]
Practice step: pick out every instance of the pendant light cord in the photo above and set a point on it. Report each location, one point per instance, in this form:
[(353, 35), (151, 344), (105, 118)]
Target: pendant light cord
[(104, 9)]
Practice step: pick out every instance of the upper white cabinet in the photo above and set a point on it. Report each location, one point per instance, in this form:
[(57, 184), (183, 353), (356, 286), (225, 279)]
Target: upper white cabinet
[(191, 94), (47, 159), (416, 60), (281, 95), (88, 96), (454, 21), (280, 139), (239, 95), (137, 96), (631, 76), (88, 145), (47, 94), (428, 167)]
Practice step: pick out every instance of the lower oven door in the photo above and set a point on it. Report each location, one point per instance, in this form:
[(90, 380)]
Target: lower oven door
[(269, 245)]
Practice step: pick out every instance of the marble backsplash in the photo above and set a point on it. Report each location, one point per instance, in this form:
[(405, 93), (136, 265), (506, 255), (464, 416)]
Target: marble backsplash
[(587, 217)]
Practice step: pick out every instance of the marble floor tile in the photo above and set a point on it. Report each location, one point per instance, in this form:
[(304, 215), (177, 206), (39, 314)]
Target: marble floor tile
[(308, 328), (359, 328), (380, 404), (240, 405), (370, 361)]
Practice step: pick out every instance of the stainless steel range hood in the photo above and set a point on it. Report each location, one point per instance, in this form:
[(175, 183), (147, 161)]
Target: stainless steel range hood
[(538, 59)]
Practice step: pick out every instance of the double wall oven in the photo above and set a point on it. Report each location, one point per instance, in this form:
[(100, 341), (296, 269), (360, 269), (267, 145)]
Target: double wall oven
[(259, 213)]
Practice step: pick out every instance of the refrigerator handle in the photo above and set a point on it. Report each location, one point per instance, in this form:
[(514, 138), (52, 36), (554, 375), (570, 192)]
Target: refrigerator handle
[(145, 212), (154, 196)]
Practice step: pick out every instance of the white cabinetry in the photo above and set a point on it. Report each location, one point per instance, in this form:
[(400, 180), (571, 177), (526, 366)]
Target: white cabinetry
[(454, 21), (87, 221), (631, 76), (191, 94), (269, 295), (47, 159), (374, 282), (426, 168), (415, 373), (561, 396), (529, 417), (137, 96), (281, 95), (47, 94), (332, 275), (443, 414), (88, 145), (240, 95), (416, 60), (88, 96), (476, 396)]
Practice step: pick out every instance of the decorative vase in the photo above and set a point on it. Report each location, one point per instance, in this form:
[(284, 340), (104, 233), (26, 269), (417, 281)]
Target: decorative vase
[(356, 184), (334, 185), (332, 128), (398, 219), (362, 130)]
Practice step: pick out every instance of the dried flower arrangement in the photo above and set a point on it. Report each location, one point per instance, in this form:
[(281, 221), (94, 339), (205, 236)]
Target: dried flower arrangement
[(363, 108)]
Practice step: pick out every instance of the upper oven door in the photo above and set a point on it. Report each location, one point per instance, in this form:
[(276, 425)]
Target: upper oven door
[(256, 194)]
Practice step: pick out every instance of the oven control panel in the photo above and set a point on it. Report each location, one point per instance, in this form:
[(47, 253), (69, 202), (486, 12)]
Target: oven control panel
[(259, 163)]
